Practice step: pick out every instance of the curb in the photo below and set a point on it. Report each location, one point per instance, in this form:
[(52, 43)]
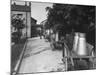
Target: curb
[(20, 59)]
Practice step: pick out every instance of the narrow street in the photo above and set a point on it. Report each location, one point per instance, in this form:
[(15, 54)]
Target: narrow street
[(39, 57), (52, 37)]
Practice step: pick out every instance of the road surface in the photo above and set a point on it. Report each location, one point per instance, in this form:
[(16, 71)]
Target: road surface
[(39, 57)]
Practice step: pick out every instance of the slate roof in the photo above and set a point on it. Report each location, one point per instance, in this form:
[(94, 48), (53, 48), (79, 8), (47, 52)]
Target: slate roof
[(22, 8), (32, 19)]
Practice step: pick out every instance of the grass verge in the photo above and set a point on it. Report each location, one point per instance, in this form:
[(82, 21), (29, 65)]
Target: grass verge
[(16, 51)]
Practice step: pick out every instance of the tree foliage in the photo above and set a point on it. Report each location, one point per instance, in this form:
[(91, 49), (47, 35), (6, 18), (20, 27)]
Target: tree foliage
[(18, 25), (65, 17)]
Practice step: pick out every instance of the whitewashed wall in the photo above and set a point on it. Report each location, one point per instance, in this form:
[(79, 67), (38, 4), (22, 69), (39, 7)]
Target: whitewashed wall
[(28, 24)]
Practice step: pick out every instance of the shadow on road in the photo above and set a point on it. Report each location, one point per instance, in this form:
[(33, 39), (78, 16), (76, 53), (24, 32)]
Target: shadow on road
[(31, 54)]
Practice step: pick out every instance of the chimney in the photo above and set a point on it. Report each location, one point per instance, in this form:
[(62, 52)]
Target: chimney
[(30, 4), (25, 3), (14, 3)]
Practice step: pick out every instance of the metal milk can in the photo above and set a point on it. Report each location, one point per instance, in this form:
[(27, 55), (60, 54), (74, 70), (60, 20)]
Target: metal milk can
[(81, 49), (75, 42)]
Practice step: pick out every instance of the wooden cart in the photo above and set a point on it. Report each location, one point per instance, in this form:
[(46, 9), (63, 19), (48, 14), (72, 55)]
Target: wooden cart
[(73, 61)]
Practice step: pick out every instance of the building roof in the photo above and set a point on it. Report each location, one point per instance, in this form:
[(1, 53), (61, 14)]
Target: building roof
[(23, 8), (37, 25), (32, 19)]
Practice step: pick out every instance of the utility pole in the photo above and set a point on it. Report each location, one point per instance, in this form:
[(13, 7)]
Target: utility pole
[(26, 20)]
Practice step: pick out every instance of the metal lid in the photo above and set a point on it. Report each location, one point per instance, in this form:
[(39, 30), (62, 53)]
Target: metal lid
[(82, 35)]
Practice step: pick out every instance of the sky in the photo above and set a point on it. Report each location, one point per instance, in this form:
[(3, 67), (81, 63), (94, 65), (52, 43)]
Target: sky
[(38, 11)]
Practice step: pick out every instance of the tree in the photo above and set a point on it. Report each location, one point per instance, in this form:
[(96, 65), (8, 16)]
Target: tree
[(18, 24), (66, 17)]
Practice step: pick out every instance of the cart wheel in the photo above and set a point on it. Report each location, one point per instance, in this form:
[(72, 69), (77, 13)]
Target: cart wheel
[(81, 65), (70, 65)]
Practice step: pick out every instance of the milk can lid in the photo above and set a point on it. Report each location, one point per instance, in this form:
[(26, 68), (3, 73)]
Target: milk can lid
[(82, 34), (76, 33)]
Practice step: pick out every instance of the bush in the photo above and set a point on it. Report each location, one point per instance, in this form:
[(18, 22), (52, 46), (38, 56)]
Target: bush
[(69, 41), (16, 37)]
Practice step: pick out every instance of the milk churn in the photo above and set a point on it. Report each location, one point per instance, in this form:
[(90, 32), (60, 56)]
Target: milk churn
[(81, 49), (56, 36), (75, 42)]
